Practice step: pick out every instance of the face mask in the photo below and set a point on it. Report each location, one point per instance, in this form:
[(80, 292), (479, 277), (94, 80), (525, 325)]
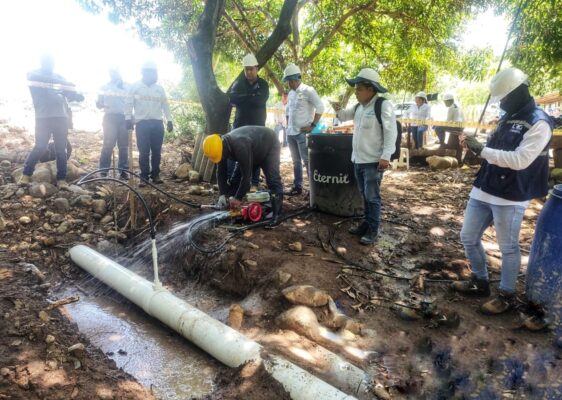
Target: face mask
[(515, 100)]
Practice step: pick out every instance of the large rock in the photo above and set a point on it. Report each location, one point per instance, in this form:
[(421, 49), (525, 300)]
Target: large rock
[(42, 190), (306, 295), (194, 177), (182, 172), (47, 172), (61, 204), (436, 162), (82, 200), (99, 206)]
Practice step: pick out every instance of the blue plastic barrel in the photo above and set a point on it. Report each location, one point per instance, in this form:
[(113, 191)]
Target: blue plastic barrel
[(544, 272)]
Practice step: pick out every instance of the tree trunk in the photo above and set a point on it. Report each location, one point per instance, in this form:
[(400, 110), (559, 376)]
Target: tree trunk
[(200, 47)]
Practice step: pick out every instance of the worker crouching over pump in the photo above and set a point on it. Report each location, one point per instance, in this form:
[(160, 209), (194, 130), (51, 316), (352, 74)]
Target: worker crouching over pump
[(251, 147)]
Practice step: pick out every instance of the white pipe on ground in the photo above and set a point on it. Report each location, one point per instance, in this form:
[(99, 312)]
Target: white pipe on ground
[(220, 341)]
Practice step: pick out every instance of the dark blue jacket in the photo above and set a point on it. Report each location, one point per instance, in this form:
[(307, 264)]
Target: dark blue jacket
[(509, 184)]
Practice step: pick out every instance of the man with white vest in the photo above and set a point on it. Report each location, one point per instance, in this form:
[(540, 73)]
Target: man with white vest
[(374, 142), (304, 110)]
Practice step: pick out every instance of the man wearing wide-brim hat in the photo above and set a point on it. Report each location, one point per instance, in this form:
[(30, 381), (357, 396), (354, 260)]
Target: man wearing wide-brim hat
[(373, 145)]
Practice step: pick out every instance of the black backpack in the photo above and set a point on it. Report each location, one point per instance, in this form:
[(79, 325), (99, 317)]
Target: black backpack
[(378, 108)]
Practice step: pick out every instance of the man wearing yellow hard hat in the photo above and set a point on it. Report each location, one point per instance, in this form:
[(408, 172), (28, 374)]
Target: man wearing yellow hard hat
[(251, 147)]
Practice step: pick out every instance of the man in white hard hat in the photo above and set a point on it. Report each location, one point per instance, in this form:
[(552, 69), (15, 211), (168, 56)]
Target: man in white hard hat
[(374, 142), (453, 115), (514, 171), (113, 101), (304, 110), (148, 101), (419, 110), (249, 94)]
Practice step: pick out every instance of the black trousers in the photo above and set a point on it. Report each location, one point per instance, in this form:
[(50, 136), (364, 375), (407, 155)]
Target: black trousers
[(150, 136), (270, 168)]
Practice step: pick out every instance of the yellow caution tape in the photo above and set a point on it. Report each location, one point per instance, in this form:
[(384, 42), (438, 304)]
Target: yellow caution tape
[(448, 124)]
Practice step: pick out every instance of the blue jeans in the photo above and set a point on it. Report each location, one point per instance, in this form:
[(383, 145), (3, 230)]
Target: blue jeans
[(114, 132), (44, 128), (507, 220), (299, 155), (418, 132), (369, 179), (150, 136)]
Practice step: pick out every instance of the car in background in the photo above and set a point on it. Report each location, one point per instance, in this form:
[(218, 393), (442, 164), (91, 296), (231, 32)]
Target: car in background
[(401, 109)]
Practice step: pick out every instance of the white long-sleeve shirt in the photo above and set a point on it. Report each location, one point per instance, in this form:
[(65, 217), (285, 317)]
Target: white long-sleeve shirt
[(114, 98), (533, 143), (371, 143), (148, 102), (421, 112), (303, 103), (454, 113)]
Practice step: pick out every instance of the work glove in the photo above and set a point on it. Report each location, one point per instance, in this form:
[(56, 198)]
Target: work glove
[(474, 145), (234, 203), (170, 126), (222, 204), (129, 124)]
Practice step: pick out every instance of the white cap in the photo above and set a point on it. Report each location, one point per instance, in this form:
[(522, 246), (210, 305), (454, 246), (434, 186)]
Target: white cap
[(290, 71), (505, 82), (422, 95), (448, 96), (370, 76), (149, 65), (249, 60)]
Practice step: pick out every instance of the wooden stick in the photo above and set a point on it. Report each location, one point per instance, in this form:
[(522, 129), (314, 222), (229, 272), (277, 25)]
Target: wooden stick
[(132, 203), (62, 302)]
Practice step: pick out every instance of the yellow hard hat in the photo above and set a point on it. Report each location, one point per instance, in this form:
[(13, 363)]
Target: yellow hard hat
[(212, 147)]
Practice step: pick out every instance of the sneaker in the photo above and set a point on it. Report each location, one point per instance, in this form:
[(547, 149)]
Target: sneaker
[(369, 237), (24, 180), (503, 302), (124, 177), (143, 182), (294, 191), (156, 179), (474, 287), (62, 184), (360, 229)]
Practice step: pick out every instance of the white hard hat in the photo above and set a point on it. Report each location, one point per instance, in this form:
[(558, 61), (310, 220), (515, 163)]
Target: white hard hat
[(370, 76), (448, 96), (290, 72), (149, 65), (250, 60), (422, 95), (506, 81)]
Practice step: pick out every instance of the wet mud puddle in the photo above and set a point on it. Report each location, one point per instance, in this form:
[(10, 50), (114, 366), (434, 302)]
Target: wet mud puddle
[(155, 355)]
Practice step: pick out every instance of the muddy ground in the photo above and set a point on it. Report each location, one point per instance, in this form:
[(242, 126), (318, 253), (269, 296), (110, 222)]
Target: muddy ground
[(450, 352)]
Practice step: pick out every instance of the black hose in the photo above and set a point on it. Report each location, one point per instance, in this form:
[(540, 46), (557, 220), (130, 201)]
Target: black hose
[(122, 170)]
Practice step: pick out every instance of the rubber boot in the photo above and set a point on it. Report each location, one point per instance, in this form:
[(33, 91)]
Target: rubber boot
[(276, 208)]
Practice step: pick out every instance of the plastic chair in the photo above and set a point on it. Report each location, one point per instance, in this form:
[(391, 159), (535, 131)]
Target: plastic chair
[(403, 159)]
